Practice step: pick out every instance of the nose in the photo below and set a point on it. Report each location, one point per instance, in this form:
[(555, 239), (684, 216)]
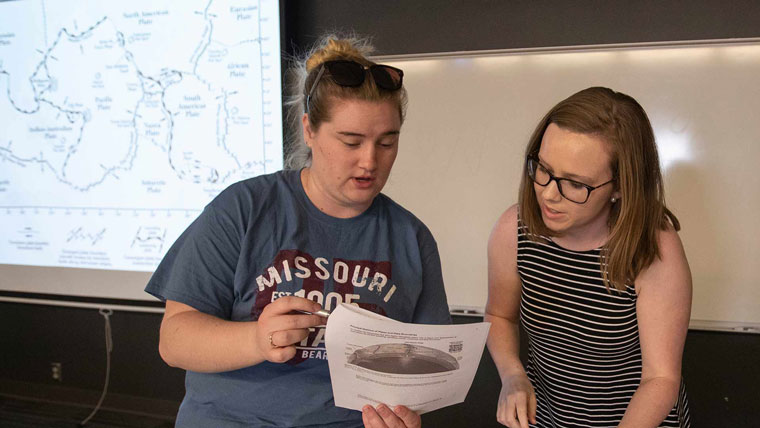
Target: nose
[(368, 157), (551, 191)]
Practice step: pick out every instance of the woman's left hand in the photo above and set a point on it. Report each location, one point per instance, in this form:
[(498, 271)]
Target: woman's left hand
[(384, 417)]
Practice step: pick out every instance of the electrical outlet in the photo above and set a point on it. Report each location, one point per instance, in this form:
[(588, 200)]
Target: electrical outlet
[(56, 371)]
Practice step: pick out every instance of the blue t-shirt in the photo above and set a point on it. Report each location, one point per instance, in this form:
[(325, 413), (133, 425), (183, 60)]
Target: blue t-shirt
[(262, 239)]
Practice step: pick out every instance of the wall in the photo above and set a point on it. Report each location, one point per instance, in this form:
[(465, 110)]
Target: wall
[(720, 368), (471, 138), (427, 26)]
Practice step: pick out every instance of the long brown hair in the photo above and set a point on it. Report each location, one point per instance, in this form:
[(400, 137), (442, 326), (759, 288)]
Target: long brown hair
[(636, 218)]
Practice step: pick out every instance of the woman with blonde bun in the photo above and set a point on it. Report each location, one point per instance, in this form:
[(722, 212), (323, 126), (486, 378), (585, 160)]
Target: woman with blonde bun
[(309, 237)]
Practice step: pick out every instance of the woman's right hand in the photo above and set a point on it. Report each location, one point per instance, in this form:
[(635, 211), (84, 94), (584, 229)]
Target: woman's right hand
[(517, 402), (279, 327)]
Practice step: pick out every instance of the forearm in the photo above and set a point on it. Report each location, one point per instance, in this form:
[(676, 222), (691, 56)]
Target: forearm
[(504, 345), (203, 343), (651, 403)]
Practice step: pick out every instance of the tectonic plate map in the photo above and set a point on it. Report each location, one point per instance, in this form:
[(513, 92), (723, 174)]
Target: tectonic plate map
[(120, 121)]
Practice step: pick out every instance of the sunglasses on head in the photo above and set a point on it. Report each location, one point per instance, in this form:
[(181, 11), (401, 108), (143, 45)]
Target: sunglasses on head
[(351, 73)]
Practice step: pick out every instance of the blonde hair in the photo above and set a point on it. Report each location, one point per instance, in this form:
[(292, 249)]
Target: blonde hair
[(641, 212), (301, 76)]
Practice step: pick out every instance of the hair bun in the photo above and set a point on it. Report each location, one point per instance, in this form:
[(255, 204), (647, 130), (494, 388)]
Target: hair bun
[(335, 48)]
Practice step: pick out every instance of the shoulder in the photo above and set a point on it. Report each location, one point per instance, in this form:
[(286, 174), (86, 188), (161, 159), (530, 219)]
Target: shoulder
[(405, 227), (504, 232), (669, 242), (246, 193), (671, 252), (669, 269), (254, 185), (400, 215), (248, 199)]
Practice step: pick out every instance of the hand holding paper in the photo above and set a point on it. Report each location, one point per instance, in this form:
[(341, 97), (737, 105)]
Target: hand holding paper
[(374, 359)]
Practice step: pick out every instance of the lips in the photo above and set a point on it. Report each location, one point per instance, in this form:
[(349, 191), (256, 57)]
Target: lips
[(363, 182), (550, 213)]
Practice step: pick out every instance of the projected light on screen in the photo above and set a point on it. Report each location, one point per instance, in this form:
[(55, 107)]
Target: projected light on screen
[(120, 121)]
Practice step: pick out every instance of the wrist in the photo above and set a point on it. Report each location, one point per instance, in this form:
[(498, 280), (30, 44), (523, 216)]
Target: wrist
[(255, 352), (512, 371)]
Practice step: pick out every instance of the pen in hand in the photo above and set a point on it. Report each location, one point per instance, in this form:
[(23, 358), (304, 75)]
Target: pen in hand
[(322, 312)]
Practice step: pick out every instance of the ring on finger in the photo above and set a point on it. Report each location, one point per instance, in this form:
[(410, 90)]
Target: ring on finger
[(271, 343)]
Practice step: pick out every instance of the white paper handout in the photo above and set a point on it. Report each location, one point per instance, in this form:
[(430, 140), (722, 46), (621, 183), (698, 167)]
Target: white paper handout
[(374, 359)]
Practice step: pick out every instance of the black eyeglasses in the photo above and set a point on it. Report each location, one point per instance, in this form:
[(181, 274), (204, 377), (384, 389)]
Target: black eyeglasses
[(352, 74), (573, 191)]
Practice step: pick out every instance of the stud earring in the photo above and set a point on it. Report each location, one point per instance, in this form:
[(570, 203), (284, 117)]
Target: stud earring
[(613, 199)]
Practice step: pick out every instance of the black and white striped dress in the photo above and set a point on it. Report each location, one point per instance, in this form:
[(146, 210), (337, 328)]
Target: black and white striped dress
[(584, 356)]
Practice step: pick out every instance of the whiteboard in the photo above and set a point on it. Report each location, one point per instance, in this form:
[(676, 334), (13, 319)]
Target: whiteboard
[(470, 117)]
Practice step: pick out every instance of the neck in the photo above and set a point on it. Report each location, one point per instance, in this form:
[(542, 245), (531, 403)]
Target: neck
[(588, 237), (322, 200)]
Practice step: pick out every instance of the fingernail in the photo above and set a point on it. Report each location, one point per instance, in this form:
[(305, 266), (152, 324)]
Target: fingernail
[(383, 409), (366, 408)]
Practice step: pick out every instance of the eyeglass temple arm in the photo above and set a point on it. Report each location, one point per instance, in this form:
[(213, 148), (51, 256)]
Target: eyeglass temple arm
[(314, 86)]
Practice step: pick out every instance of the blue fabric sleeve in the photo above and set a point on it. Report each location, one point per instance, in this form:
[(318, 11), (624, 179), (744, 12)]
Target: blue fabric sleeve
[(432, 306), (199, 269)]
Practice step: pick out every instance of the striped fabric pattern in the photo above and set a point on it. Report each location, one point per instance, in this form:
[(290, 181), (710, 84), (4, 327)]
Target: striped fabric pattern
[(584, 356)]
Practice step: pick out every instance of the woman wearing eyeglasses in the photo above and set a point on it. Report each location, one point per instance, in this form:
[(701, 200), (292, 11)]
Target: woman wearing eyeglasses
[(313, 236), (590, 264)]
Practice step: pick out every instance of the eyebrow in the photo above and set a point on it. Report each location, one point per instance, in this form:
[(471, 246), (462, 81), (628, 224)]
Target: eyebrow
[(580, 178), (358, 134)]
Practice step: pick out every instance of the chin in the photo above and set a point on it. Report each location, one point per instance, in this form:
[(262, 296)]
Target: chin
[(361, 199), (554, 226), (366, 194)]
